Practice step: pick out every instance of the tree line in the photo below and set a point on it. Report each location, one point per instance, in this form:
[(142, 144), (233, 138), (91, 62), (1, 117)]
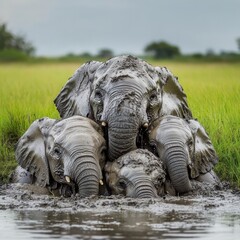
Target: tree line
[(13, 46)]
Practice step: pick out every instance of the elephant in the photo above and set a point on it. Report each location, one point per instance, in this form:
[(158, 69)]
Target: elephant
[(69, 151), (137, 174), (125, 95), (185, 149)]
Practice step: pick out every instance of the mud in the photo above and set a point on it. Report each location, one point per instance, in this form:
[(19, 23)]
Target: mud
[(117, 217)]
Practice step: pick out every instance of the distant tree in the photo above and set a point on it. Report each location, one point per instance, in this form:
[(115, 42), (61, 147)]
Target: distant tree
[(238, 43), (162, 49), (210, 53), (105, 53), (10, 41), (86, 55)]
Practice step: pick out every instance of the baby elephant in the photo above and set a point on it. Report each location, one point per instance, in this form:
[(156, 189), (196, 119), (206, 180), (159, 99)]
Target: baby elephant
[(186, 151), (69, 151), (137, 174)]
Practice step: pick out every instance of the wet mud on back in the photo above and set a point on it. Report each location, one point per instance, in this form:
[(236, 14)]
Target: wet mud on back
[(24, 215)]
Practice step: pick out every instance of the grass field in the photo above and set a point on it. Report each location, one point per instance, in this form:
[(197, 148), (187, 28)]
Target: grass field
[(213, 89)]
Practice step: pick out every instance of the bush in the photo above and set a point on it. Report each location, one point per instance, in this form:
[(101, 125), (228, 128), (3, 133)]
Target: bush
[(10, 55)]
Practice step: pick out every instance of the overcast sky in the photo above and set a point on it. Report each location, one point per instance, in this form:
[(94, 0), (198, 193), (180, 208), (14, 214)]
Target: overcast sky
[(57, 27)]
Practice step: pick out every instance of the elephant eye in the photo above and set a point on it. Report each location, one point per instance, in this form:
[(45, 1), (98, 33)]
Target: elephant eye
[(190, 145), (149, 118), (98, 94), (57, 152), (122, 184), (153, 96), (153, 100)]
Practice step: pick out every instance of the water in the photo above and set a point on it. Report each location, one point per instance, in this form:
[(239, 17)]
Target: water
[(24, 215), (35, 224)]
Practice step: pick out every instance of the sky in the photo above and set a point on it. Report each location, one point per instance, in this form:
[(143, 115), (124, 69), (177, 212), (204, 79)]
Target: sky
[(57, 27)]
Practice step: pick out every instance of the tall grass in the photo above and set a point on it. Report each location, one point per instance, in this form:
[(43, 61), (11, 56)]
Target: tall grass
[(27, 92)]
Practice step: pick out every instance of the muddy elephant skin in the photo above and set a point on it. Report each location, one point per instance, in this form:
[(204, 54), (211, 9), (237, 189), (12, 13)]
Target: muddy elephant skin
[(185, 149), (124, 94), (71, 151), (137, 174)]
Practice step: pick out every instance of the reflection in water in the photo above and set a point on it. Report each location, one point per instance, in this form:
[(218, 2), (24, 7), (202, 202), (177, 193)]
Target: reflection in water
[(117, 225)]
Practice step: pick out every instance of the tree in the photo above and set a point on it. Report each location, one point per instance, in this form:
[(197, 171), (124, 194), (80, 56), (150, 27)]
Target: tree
[(210, 53), (105, 53), (162, 49), (10, 41), (238, 43)]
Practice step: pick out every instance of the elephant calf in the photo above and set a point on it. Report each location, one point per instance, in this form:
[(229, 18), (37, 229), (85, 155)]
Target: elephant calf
[(137, 174), (69, 151), (186, 151)]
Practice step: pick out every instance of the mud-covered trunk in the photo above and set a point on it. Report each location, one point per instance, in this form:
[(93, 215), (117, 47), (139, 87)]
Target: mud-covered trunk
[(176, 159), (122, 136), (141, 187), (124, 119)]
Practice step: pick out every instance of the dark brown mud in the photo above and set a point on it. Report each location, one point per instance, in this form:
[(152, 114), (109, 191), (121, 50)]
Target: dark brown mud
[(204, 216)]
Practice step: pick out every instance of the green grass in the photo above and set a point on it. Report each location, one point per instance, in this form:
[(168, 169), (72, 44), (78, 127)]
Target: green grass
[(27, 92), (213, 89)]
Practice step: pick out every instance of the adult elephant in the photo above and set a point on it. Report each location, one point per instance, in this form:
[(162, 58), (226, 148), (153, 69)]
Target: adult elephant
[(186, 151), (69, 151), (124, 94), (137, 174)]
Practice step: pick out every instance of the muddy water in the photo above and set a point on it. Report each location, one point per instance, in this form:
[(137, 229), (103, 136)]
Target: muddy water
[(24, 215)]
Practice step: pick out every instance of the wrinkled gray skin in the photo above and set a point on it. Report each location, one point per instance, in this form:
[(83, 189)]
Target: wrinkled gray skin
[(70, 151), (137, 174), (185, 149), (125, 94)]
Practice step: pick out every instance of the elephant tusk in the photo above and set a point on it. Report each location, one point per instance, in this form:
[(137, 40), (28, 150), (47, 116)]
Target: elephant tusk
[(101, 182), (68, 179), (145, 125), (104, 124)]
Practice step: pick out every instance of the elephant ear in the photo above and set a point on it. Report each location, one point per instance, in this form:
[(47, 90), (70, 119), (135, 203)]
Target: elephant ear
[(174, 100), (30, 150), (74, 96), (205, 156)]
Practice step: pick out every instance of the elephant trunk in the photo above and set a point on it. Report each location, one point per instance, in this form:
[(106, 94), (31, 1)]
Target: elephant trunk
[(142, 187), (87, 174), (122, 136), (124, 120), (176, 159)]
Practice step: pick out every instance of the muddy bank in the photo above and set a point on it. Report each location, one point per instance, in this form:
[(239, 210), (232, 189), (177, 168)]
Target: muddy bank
[(16, 196), (27, 215)]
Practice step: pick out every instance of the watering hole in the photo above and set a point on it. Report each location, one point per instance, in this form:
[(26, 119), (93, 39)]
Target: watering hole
[(24, 215)]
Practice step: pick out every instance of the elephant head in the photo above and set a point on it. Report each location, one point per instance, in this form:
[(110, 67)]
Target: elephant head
[(185, 149), (137, 174), (69, 151), (125, 94)]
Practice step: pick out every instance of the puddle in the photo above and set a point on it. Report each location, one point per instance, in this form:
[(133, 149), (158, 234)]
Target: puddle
[(26, 216)]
